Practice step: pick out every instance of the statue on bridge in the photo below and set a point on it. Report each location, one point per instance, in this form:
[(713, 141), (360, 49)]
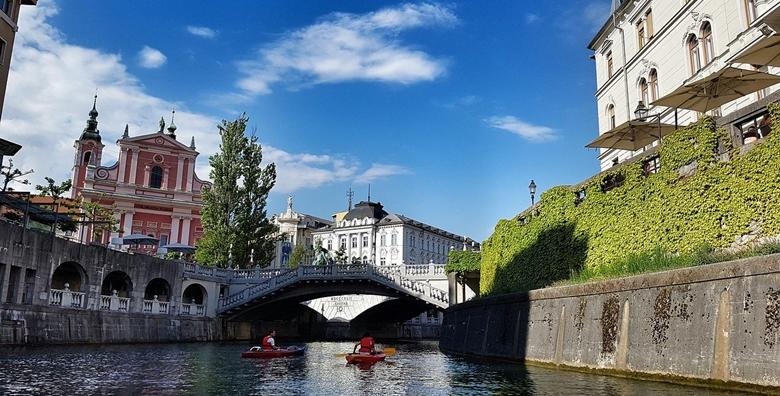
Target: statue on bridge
[(321, 255)]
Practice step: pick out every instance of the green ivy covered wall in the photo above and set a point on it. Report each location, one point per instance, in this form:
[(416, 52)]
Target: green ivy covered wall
[(709, 203)]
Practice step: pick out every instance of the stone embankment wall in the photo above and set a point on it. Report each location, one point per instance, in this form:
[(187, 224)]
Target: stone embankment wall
[(717, 323)]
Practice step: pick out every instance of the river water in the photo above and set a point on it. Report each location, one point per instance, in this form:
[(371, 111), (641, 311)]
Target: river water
[(211, 368)]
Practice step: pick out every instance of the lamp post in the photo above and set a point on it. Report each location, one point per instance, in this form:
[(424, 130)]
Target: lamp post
[(532, 190), (640, 113)]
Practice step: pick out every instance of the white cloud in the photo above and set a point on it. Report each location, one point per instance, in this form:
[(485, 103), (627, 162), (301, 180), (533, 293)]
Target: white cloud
[(202, 31), (348, 47), (531, 18), (50, 92), (534, 133), (595, 13), (378, 171), (151, 58)]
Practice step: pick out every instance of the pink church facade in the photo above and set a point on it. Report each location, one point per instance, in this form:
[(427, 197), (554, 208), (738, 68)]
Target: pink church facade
[(152, 189)]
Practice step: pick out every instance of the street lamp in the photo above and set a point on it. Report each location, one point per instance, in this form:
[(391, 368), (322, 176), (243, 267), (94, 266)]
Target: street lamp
[(532, 190), (641, 111)]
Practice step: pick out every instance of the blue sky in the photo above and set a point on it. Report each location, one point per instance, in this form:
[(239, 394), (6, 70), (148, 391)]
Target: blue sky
[(448, 109)]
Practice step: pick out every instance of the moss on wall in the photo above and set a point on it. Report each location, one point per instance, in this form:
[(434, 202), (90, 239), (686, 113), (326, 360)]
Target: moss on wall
[(709, 203)]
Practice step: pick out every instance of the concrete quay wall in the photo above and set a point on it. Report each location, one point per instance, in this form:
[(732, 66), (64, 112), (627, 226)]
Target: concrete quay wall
[(718, 323)]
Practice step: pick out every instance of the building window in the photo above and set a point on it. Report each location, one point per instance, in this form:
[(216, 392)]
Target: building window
[(693, 53), (87, 157), (354, 242), (643, 88), (750, 10), (393, 239), (649, 24), (2, 51), (163, 239), (155, 181), (382, 240), (343, 243), (706, 42), (382, 261), (365, 240), (640, 34), (754, 128), (579, 196), (610, 69), (652, 82), (612, 181), (365, 259), (611, 116), (651, 165), (330, 244), (7, 6)]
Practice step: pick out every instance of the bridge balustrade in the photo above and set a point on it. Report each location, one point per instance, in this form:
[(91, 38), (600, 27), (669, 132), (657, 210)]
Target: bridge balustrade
[(193, 310)]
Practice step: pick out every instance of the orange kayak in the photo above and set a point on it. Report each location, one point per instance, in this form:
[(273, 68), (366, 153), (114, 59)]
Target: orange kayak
[(365, 358)]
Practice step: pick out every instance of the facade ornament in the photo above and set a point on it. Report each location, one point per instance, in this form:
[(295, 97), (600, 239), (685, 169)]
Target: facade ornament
[(162, 125), (91, 131), (192, 143), (172, 127), (126, 134)]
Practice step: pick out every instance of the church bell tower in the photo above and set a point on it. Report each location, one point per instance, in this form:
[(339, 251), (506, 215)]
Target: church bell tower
[(89, 150)]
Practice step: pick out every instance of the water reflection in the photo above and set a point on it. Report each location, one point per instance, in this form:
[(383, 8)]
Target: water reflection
[(417, 369)]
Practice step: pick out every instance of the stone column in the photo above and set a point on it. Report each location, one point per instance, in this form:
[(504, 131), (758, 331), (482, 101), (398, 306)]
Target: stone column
[(122, 165), (133, 165), (6, 280), (166, 172), (190, 174), (180, 174), (185, 231), (175, 220), (147, 173), (128, 226)]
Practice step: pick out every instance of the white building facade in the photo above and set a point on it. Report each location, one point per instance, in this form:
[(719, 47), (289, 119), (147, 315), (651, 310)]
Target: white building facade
[(369, 234), (647, 49)]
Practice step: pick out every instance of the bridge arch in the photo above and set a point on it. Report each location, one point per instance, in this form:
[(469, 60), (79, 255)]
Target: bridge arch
[(394, 310), (117, 281), (72, 274)]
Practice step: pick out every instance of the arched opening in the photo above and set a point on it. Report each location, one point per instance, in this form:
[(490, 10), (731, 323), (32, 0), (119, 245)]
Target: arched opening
[(193, 300), (706, 42), (158, 288), (194, 294), (693, 53), (643, 91), (611, 116), (155, 180), (117, 281), (652, 82), (87, 157), (70, 275)]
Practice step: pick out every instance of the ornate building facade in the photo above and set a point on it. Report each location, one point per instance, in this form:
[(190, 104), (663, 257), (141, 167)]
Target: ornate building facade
[(294, 229), (152, 189)]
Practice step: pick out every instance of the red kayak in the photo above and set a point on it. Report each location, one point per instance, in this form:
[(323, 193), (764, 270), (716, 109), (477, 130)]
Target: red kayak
[(365, 358), (259, 353)]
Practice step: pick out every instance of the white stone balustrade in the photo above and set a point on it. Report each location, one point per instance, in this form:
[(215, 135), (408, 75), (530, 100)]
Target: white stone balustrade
[(114, 303), (156, 306), (193, 310), (66, 298)]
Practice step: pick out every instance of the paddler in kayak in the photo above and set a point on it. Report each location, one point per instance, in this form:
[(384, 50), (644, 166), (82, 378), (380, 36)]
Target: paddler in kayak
[(268, 341), (366, 344)]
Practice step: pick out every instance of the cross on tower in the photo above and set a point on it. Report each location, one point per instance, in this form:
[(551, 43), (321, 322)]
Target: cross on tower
[(350, 194)]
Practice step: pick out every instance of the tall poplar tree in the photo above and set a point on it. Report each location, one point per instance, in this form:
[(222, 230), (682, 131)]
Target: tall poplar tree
[(234, 217)]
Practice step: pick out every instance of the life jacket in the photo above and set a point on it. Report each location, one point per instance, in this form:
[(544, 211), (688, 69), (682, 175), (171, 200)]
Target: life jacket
[(367, 344), (267, 344)]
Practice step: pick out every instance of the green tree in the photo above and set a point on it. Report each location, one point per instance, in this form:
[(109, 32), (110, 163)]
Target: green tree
[(55, 191), (341, 256), (297, 256), (98, 218), (234, 207)]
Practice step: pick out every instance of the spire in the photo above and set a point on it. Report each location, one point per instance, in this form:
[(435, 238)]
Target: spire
[(192, 143), (172, 128), (369, 193), (126, 134), (91, 131), (350, 194), (162, 125)]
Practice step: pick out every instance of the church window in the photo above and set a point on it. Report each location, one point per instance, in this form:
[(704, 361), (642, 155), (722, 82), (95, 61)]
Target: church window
[(87, 157), (155, 181)]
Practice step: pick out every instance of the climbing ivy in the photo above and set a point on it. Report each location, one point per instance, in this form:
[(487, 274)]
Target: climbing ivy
[(697, 199), (460, 261)]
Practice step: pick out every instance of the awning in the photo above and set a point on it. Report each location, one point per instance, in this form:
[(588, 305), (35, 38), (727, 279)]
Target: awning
[(139, 239), (764, 52), (632, 135), (717, 89), (179, 247)]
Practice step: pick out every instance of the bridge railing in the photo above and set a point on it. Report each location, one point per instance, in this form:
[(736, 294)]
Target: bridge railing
[(391, 275)]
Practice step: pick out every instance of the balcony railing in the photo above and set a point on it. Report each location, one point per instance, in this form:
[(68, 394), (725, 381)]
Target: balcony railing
[(156, 307), (66, 298), (193, 310), (114, 303)]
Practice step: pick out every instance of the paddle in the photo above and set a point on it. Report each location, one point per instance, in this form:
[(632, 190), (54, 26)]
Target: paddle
[(387, 351)]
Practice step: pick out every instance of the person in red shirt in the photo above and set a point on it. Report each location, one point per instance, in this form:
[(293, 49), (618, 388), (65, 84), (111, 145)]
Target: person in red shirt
[(367, 344), (268, 341)]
